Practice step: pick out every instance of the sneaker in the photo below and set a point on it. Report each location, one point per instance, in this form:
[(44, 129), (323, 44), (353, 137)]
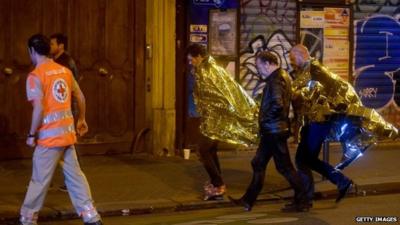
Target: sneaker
[(215, 193), (207, 186)]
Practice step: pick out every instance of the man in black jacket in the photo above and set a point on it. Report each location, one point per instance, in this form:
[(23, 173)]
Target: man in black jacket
[(274, 131)]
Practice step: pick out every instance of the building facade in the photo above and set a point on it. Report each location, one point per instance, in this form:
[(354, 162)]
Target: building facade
[(134, 72)]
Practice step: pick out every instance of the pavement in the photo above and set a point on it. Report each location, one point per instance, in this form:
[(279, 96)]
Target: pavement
[(143, 184)]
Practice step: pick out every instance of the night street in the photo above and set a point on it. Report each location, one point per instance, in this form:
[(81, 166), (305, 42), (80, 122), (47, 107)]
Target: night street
[(324, 212), (145, 112), (170, 185)]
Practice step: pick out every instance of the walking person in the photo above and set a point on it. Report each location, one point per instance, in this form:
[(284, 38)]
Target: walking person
[(50, 88), (58, 51), (315, 128), (215, 188), (227, 114), (274, 132)]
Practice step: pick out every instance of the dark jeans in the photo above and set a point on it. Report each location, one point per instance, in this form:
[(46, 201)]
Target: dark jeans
[(273, 145), (209, 158), (307, 158)]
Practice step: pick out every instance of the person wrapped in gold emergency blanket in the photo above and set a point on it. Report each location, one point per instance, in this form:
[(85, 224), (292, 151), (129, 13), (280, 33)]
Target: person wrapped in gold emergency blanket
[(227, 114), (323, 93), (320, 96), (230, 115), (328, 108)]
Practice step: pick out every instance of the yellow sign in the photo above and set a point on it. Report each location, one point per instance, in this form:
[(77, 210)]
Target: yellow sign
[(343, 32), (336, 55), (336, 40), (198, 38), (337, 17), (312, 19), (198, 28)]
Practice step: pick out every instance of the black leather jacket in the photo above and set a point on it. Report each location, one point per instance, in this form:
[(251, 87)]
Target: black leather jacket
[(275, 104)]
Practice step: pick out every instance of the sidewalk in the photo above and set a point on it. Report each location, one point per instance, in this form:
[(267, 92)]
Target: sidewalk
[(122, 185)]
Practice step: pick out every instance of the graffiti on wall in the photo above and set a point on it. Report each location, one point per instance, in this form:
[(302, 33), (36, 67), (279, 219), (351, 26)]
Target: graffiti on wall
[(377, 63), (265, 25), (264, 17), (269, 24), (278, 43), (276, 10), (388, 99), (388, 7)]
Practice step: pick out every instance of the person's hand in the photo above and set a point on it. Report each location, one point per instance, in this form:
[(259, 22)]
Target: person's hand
[(81, 127), (31, 142)]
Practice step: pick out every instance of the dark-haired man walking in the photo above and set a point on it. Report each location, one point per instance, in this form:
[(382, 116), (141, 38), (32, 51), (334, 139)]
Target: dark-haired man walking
[(50, 88), (274, 131), (58, 51), (227, 114)]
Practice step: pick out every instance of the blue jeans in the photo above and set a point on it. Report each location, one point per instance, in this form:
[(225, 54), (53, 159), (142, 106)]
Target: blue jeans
[(311, 140)]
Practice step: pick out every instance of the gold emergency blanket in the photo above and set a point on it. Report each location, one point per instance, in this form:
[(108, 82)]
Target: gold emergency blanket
[(228, 113), (328, 94)]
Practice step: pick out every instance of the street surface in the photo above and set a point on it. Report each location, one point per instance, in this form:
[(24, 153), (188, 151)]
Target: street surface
[(324, 212)]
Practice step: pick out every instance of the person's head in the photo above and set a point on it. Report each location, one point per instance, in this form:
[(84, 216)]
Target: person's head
[(58, 43), (299, 56), (38, 46), (196, 54), (266, 63)]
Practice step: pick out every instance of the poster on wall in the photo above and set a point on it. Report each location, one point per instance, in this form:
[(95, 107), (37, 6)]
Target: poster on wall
[(325, 31), (336, 56), (223, 32), (336, 40), (337, 17), (311, 31), (312, 19)]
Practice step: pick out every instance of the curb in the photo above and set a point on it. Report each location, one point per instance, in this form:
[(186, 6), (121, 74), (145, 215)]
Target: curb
[(363, 190)]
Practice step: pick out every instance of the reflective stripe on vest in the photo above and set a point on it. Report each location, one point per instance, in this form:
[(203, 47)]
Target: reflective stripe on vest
[(54, 132), (57, 116)]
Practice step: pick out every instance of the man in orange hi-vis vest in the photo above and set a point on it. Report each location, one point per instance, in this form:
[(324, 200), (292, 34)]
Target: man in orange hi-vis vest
[(50, 87)]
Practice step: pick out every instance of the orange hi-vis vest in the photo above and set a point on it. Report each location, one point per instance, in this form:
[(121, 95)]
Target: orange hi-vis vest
[(57, 128)]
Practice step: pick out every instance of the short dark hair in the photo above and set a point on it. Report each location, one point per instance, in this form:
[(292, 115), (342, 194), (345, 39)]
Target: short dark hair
[(40, 43), (196, 50), (61, 39), (266, 56)]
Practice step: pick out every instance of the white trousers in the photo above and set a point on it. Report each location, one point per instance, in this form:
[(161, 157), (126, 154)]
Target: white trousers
[(45, 161)]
